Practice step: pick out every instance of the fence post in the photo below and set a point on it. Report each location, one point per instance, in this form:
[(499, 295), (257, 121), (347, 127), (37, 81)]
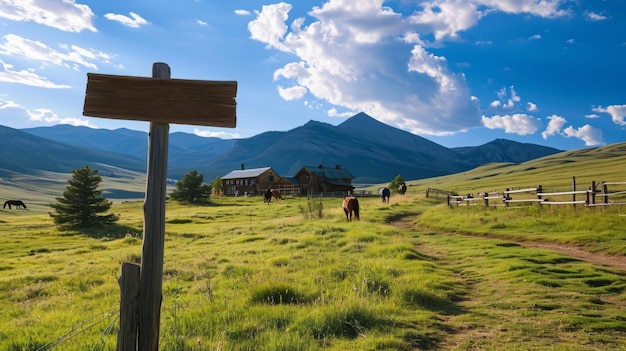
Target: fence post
[(506, 197), (574, 190), (129, 287), (427, 190), (605, 193), (539, 191), (485, 196)]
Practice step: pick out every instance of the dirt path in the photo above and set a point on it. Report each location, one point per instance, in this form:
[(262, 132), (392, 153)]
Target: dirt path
[(614, 262)]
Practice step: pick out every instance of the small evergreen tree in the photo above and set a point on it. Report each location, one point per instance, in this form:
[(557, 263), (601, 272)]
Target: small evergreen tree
[(82, 202), (395, 184), (191, 189)]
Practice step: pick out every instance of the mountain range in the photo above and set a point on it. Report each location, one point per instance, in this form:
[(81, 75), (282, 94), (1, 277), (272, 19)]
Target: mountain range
[(372, 151)]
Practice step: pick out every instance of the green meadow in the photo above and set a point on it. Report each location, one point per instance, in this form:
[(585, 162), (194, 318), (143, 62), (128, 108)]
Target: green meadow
[(414, 274)]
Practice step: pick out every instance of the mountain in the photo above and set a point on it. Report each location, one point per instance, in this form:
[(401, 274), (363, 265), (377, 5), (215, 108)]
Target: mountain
[(24, 152), (502, 150), (372, 151)]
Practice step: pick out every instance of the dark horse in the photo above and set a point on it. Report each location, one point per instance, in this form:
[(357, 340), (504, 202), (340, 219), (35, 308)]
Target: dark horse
[(350, 205), (267, 197), (384, 193), (402, 189), (16, 203)]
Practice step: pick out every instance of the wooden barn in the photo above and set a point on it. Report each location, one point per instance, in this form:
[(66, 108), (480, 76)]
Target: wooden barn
[(252, 181), (324, 179)]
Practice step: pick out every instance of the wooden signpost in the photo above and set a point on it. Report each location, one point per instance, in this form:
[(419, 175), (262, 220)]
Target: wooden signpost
[(159, 100)]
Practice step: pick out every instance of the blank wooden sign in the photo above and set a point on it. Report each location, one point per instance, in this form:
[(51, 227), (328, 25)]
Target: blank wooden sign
[(180, 101)]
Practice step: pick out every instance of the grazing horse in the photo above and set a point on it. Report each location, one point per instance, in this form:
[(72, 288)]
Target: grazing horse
[(402, 189), (384, 193), (350, 205), (16, 203), (276, 194), (267, 197)]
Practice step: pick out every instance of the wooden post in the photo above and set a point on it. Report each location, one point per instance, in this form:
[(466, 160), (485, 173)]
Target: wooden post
[(129, 286), (574, 191), (605, 193), (506, 197), (160, 100), (154, 229)]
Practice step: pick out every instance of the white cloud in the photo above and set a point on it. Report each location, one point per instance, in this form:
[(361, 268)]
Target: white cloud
[(554, 126), (520, 124), (349, 54), (201, 22), (26, 77), (211, 134), (592, 116), (292, 93), (17, 46), (334, 113), (49, 117), (617, 112), (592, 16), (134, 21), (590, 135), (531, 107), (507, 100), (65, 15), (241, 12), (535, 37), (343, 59)]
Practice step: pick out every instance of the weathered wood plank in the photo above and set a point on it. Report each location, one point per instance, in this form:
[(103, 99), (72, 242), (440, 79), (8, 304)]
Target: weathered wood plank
[(129, 305), (181, 101), (151, 286)]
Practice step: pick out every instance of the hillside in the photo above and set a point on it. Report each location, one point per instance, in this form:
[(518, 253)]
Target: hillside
[(373, 151)]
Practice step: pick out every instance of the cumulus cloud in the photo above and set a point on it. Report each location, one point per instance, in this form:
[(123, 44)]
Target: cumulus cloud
[(22, 116), (590, 135), (520, 124), (531, 107), (65, 15), (617, 112), (134, 21), (212, 134), (554, 127), (346, 56)]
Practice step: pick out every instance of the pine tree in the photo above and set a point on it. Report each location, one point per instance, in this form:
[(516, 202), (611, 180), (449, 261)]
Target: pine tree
[(82, 202), (393, 186), (191, 189)]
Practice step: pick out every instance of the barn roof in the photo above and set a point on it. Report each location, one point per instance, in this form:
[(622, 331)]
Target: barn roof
[(246, 173), (331, 174)]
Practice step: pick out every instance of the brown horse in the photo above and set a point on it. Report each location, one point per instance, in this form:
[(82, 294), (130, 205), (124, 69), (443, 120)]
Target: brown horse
[(351, 205), (276, 194)]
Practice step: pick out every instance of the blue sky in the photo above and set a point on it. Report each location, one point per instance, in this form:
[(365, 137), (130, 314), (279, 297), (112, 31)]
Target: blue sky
[(457, 72)]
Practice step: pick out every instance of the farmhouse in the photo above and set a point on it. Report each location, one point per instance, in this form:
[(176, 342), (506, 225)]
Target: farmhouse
[(249, 181), (324, 179)]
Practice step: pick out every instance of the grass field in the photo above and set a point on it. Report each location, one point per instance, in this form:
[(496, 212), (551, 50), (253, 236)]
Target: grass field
[(411, 275)]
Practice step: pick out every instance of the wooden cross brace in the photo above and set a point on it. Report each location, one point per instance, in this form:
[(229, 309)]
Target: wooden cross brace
[(160, 100)]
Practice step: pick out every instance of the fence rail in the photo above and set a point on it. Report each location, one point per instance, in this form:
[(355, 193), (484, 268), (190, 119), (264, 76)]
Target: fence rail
[(532, 196)]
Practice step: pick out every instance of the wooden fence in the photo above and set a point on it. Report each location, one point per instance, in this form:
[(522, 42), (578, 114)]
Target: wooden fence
[(596, 195)]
